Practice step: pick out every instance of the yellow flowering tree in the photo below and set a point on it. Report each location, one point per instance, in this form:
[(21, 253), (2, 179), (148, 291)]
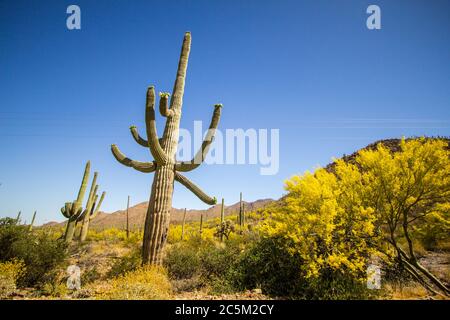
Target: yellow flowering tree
[(322, 224), (340, 219), (408, 189)]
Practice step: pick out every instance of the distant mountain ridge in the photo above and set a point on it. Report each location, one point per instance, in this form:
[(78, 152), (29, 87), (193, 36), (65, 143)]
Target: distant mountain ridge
[(117, 219)]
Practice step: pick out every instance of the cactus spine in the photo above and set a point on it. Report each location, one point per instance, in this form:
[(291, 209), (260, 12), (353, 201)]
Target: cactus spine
[(73, 210), (182, 226), (32, 221), (166, 168)]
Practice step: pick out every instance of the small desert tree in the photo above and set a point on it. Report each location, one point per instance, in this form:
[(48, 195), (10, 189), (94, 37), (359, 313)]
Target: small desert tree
[(406, 189), (338, 220)]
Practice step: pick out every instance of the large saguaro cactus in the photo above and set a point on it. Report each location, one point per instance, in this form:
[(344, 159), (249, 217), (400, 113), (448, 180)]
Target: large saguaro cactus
[(166, 168)]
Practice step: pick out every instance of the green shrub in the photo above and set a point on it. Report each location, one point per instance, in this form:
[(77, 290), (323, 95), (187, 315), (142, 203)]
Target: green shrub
[(182, 261), (10, 272), (206, 263), (126, 263), (268, 265), (40, 252), (54, 289), (90, 275)]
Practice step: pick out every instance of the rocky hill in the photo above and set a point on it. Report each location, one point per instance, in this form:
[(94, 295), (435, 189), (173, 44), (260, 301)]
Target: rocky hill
[(392, 144)]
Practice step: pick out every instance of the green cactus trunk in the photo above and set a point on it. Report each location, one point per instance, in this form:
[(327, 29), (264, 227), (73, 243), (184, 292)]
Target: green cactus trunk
[(128, 218), (89, 206), (182, 226), (158, 215), (18, 217), (70, 230), (201, 225), (222, 217), (32, 221), (241, 214), (165, 166)]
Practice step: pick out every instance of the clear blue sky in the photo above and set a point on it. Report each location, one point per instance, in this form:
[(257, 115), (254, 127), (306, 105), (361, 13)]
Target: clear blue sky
[(309, 68)]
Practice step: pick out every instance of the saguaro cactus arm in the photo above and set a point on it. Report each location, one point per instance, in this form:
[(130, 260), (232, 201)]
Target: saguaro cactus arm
[(153, 142), (91, 201), (84, 184), (195, 189), (94, 187), (137, 137), (178, 88), (201, 154), (97, 207), (145, 167), (164, 104), (70, 212)]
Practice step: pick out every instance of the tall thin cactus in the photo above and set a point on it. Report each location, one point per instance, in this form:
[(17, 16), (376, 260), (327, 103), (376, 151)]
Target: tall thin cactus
[(201, 225), (166, 168), (241, 217), (18, 217), (32, 221), (222, 218), (73, 210), (182, 226), (128, 218)]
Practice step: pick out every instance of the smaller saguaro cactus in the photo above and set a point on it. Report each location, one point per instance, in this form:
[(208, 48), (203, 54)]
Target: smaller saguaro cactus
[(182, 226), (32, 221), (18, 217), (222, 217), (225, 227), (73, 210), (201, 225), (241, 216), (222, 211)]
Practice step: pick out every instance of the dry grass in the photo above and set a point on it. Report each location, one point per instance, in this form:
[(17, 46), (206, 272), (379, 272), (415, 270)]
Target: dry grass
[(146, 283)]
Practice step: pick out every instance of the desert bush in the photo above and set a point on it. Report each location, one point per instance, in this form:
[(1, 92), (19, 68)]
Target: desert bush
[(207, 263), (56, 289), (127, 263), (90, 275), (38, 250), (10, 272), (144, 283), (270, 265), (182, 261)]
